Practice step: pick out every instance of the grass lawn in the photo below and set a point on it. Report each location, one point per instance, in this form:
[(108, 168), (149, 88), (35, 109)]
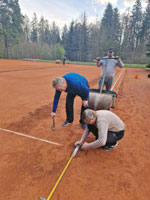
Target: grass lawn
[(88, 63), (93, 63)]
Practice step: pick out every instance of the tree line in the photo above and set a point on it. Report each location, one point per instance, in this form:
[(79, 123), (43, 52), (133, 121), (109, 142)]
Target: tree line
[(22, 38)]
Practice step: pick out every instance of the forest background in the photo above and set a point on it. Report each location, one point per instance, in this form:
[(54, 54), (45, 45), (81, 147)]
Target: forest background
[(36, 38)]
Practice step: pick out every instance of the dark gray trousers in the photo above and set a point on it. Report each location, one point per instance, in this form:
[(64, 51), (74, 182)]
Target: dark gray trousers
[(112, 137), (107, 82)]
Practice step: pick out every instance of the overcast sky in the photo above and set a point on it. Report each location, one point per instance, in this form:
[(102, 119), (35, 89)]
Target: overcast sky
[(64, 11)]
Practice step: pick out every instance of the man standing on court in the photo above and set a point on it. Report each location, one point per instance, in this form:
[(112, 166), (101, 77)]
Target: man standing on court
[(108, 64), (64, 60), (73, 84)]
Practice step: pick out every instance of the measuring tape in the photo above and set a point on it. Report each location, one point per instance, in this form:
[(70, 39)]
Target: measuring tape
[(61, 175)]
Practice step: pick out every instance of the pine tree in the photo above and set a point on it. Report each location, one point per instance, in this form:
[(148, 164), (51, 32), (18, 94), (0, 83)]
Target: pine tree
[(117, 31), (69, 46), (41, 30), (54, 35), (76, 46), (10, 22), (146, 23), (107, 29), (34, 28), (26, 28), (94, 45), (126, 35), (47, 33), (136, 25), (64, 36), (83, 39), (107, 22)]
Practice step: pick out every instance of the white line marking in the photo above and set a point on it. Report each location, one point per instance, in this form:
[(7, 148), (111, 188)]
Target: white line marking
[(117, 79), (32, 137)]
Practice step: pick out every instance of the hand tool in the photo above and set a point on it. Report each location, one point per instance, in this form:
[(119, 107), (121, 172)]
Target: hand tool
[(53, 128)]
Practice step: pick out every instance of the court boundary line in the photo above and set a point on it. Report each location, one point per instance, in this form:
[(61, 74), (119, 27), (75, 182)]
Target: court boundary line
[(117, 79), (29, 136)]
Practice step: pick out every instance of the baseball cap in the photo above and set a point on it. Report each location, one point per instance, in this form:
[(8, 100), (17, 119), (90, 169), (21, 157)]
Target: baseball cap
[(111, 49)]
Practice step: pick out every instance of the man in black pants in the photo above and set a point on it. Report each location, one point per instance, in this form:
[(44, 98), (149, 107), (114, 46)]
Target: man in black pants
[(105, 125), (74, 85), (64, 60)]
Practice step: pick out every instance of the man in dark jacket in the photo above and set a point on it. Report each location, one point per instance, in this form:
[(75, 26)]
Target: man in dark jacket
[(73, 84)]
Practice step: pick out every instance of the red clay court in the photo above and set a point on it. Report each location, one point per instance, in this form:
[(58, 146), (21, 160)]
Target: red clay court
[(29, 168)]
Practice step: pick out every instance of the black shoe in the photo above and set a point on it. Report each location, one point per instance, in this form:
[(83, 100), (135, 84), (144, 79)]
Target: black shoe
[(110, 147), (107, 148), (66, 123), (114, 144), (83, 125)]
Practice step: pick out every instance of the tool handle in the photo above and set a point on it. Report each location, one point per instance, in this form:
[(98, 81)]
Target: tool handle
[(111, 58), (105, 70), (53, 122), (53, 128), (76, 150)]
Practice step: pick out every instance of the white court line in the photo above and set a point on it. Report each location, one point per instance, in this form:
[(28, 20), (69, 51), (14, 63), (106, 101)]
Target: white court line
[(32, 137), (117, 79)]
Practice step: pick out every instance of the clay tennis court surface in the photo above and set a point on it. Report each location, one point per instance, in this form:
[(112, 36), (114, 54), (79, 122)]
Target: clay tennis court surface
[(30, 168)]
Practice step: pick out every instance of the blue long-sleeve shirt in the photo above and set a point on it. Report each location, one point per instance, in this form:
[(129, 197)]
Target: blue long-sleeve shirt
[(76, 84)]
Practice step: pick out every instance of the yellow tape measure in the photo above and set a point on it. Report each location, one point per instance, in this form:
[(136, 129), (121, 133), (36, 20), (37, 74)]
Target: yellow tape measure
[(61, 175)]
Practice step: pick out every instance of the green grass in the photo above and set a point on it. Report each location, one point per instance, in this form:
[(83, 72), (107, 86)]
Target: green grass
[(70, 62), (39, 60), (135, 65), (93, 63), (82, 63), (126, 65)]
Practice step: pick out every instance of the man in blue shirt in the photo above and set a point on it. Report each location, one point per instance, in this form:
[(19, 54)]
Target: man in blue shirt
[(73, 84)]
